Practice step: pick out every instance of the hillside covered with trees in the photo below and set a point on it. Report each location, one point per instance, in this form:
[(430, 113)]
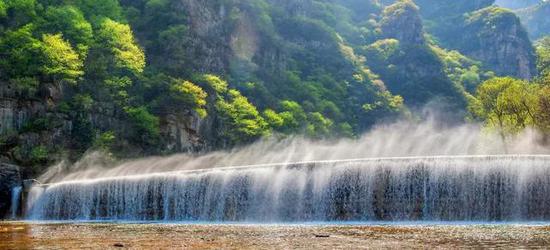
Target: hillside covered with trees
[(147, 77)]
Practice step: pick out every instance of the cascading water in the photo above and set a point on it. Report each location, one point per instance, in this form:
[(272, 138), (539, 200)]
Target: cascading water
[(469, 188), (15, 201)]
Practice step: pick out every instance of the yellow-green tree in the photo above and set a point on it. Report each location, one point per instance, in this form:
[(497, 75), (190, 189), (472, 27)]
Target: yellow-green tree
[(506, 104), (191, 95), (242, 120), (61, 61), (118, 39)]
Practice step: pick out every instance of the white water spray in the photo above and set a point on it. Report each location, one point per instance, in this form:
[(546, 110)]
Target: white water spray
[(480, 188), (15, 202), (303, 180)]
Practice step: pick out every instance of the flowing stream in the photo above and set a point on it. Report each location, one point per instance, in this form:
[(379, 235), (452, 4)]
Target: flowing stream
[(459, 188)]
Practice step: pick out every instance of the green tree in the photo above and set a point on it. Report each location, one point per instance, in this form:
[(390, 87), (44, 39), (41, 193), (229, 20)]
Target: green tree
[(293, 115), (191, 95), (506, 104), (318, 126), (213, 82), (71, 23), (118, 39), (273, 119), (3, 9), (98, 9), (20, 12), (146, 125), (21, 53), (60, 59), (118, 89), (241, 119)]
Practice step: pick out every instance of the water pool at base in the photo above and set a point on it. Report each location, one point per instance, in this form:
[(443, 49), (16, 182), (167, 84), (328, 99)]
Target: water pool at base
[(101, 235)]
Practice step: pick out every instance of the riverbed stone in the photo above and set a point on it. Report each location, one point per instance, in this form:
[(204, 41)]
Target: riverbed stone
[(10, 177)]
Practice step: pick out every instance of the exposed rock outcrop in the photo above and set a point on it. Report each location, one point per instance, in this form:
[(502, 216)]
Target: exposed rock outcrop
[(34, 131), (536, 19), (10, 177), (496, 37), (406, 62), (402, 21)]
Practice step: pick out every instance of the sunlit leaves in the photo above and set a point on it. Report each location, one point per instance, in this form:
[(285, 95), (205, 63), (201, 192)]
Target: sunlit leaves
[(244, 120), (506, 104), (191, 95), (119, 39), (69, 21), (60, 59)]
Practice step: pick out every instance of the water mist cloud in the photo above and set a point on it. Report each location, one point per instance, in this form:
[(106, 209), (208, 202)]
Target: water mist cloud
[(398, 139)]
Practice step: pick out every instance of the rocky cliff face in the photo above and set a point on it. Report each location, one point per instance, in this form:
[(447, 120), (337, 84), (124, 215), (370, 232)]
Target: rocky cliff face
[(489, 34), (496, 37), (536, 19), (34, 131), (9, 178), (18, 112), (409, 66), (402, 21)]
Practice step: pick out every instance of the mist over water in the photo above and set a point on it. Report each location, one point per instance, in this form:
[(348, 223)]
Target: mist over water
[(398, 171), (459, 188), (398, 139)]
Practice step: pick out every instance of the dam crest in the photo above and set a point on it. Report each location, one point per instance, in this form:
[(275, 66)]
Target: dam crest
[(436, 188)]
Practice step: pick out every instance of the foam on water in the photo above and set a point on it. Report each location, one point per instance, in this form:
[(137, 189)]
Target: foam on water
[(461, 188)]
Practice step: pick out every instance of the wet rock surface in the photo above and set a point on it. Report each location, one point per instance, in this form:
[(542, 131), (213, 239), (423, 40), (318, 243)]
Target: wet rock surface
[(9, 178)]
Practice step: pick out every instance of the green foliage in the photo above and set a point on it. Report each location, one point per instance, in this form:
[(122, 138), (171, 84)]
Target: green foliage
[(105, 141), (273, 119), (393, 103), (506, 104), (20, 12), (25, 86), (213, 82), (21, 52), (71, 22), (191, 95), (463, 71), (543, 57), (318, 126), (98, 9), (117, 88), (383, 50), (60, 59), (82, 102), (293, 115), (146, 125), (39, 124), (3, 9), (318, 68), (38, 154), (242, 120), (119, 40), (492, 16)]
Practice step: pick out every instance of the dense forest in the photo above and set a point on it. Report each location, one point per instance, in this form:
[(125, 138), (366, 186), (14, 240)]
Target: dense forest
[(146, 77)]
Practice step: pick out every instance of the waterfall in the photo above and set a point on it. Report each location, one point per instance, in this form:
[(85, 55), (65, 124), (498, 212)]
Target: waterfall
[(461, 188), (15, 201)]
